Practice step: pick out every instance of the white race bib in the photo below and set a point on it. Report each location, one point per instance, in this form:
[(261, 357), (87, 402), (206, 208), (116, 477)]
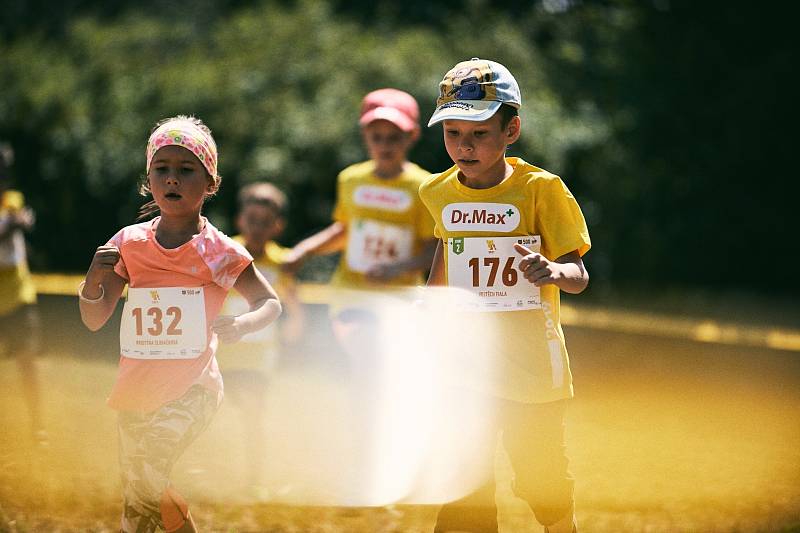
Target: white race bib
[(488, 268), (164, 323), (371, 243)]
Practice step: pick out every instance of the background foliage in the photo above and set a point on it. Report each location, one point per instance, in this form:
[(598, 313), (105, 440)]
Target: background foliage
[(669, 120)]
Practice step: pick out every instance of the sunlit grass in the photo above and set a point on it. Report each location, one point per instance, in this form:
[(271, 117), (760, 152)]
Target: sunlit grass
[(664, 436)]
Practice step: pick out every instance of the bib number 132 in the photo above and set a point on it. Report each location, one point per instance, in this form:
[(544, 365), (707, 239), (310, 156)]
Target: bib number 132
[(164, 323), (155, 320)]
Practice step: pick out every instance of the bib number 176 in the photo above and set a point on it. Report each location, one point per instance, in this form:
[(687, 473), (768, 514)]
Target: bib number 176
[(508, 276)]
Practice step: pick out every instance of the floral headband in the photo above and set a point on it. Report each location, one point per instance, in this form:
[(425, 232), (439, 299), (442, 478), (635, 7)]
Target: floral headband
[(185, 133)]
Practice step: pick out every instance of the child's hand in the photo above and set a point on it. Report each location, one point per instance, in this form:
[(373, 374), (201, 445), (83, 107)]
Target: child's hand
[(293, 261), (383, 272), (24, 219), (227, 329), (105, 257), (536, 268)]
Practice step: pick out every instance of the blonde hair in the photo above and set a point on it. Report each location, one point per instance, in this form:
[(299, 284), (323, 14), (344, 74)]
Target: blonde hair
[(151, 208)]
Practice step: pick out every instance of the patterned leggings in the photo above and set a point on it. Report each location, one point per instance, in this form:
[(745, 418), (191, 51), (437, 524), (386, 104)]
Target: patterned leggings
[(149, 445)]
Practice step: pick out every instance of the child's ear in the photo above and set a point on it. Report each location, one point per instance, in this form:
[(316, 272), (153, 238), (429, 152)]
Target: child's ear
[(280, 225), (513, 130)]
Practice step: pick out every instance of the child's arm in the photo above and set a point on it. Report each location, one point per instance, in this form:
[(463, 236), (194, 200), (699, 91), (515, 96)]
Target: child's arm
[(100, 291), (387, 271), (331, 239), (294, 319), (436, 277), (567, 272), (264, 307), (22, 219)]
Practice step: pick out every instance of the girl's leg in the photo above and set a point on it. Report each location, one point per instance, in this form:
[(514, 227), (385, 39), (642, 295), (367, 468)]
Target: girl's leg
[(149, 446)]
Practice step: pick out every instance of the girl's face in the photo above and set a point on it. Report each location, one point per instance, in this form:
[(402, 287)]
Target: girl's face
[(178, 181), (387, 146)]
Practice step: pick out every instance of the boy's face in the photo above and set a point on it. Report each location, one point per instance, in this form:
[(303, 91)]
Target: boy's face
[(387, 145), (478, 148), (259, 224)]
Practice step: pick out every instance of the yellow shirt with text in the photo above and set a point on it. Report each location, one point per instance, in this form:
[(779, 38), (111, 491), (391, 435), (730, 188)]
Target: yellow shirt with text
[(385, 221), (534, 366)]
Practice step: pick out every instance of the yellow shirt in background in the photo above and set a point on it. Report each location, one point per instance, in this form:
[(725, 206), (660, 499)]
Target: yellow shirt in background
[(478, 228), (16, 284), (385, 220)]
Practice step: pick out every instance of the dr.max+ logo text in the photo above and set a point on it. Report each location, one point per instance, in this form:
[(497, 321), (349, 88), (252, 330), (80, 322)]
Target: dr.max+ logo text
[(474, 216)]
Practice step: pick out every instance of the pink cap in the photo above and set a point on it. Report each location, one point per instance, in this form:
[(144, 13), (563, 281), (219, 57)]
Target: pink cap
[(396, 106)]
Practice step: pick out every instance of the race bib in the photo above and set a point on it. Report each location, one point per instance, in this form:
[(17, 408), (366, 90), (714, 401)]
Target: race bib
[(488, 267), (164, 323), (371, 242)]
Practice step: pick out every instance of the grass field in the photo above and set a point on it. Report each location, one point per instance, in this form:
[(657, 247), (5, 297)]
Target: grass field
[(665, 435)]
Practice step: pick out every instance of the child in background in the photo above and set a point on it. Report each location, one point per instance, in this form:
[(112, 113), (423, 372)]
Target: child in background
[(514, 235), (19, 317), (247, 365), (384, 231), (178, 268)]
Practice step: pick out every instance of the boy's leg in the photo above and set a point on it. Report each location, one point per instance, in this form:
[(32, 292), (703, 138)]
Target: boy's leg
[(246, 389), (534, 439), (149, 446), (474, 513)]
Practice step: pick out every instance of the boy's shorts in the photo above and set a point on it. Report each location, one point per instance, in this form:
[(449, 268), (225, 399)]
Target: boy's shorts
[(149, 445)]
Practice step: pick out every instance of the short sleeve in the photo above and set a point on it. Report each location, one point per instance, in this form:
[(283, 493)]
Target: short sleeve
[(430, 216), (559, 220), (426, 225), (13, 200), (226, 259), (119, 268), (340, 209)]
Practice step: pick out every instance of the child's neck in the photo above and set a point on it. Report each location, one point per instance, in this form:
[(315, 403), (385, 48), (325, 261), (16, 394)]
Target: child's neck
[(491, 178), (173, 232), (389, 172), (256, 249)]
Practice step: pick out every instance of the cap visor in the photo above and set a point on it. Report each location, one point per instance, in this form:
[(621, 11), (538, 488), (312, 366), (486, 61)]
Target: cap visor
[(475, 110), (390, 114)]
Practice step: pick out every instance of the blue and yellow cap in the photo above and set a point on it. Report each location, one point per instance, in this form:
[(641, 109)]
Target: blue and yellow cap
[(475, 90)]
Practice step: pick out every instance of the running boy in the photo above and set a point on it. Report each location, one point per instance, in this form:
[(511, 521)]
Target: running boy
[(178, 268), (379, 222), (514, 235), (247, 365)]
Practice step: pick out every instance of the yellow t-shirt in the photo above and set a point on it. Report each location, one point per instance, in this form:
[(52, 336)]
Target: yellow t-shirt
[(385, 221), (478, 228), (257, 351), (16, 284)]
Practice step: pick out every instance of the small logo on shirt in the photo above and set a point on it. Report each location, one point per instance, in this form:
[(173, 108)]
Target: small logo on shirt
[(382, 198), (474, 216)]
